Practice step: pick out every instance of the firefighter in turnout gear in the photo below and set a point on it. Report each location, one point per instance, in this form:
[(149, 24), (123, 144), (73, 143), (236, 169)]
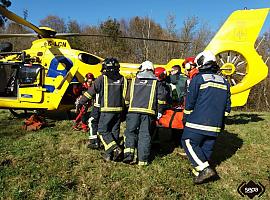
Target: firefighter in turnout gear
[(93, 120), (145, 95), (207, 104), (111, 87)]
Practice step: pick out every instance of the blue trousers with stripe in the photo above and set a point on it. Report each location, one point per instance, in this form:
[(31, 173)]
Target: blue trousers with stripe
[(198, 148), (138, 134), (109, 130)]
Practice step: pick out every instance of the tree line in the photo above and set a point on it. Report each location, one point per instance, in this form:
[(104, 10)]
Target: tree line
[(135, 51)]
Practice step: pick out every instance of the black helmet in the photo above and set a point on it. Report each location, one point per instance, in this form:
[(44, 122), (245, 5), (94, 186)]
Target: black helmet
[(110, 64)]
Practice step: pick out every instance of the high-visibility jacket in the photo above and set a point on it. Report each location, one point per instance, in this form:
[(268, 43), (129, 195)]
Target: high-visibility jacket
[(111, 93), (145, 95), (207, 102)]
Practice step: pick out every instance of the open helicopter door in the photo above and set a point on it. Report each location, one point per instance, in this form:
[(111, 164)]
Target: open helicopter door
[(30, 80)]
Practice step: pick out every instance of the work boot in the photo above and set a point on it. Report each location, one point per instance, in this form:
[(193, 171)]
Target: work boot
[(128, 158), (205, 174), (107, 157), (93, 144), (117, 154)]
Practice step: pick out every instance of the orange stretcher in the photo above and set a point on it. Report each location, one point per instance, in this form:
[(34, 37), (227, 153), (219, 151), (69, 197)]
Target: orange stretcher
[(171, 118)]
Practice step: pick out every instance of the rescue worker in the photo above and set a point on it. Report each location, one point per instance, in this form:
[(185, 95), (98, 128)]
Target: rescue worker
[(190, 68), (207, 104), (178, 79), (94, 142), (145, 95), (161, 75), (83, 113), (111, 87)]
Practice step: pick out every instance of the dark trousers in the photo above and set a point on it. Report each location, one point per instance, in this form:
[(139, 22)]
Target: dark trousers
[(109, 130), (198, 147), (138, 134), (93, 123)]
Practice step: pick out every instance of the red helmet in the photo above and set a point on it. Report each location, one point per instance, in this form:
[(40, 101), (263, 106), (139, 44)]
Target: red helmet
[(188, 63), (89, 76), (160, 73)]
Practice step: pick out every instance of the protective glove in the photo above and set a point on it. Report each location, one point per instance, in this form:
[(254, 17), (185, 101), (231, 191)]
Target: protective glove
[(159, 115), (82, 102)]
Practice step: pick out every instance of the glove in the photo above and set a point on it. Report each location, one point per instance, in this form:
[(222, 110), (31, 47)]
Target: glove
[(159, 116)]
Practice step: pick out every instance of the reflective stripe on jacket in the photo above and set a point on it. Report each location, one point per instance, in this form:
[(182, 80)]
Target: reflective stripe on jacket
[(145, 95), (111, 93)]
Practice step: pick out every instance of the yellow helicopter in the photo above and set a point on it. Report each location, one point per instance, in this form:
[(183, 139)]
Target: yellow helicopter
[(41, 78)]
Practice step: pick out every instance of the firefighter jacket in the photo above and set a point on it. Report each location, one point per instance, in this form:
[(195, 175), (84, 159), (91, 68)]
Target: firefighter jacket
[(207, 102), (111, 93), (147, 96)]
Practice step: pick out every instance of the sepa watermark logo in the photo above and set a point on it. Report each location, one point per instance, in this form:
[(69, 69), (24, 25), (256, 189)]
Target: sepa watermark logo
[(251, 189)]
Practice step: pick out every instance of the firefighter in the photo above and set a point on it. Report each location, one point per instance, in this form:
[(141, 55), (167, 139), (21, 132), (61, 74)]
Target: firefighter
[(111, 87), (94, 142), (145, 95), (161, 75), (207, 104), (178, 79)]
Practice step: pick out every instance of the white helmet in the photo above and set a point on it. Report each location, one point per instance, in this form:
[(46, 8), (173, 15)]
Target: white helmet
[(147, 65), (205, 59)]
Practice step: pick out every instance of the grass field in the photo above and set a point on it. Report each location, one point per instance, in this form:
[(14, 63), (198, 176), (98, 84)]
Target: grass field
[(54, 163)]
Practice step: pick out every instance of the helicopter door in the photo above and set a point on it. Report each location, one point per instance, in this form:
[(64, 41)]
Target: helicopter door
[(30, 83)]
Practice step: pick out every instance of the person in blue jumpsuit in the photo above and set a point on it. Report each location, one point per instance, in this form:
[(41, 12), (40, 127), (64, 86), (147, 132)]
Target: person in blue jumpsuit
[(207, 104)]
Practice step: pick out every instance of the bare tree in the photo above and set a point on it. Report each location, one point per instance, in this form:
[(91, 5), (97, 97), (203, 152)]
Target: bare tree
[(54, 22)]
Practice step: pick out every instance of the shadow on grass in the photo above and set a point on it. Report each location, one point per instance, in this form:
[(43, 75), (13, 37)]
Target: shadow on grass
[(243, 118), (226, 146), (164, 141)]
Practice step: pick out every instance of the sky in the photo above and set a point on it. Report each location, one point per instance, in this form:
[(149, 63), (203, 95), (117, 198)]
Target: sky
[(93, 12)]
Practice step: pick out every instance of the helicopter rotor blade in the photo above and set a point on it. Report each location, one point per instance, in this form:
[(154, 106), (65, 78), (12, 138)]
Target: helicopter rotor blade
[(122, 37), (28, 35), (12, 16)]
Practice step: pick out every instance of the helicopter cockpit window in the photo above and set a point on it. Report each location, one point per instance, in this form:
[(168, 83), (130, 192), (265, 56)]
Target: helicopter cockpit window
[(89, 59), (28, 74)]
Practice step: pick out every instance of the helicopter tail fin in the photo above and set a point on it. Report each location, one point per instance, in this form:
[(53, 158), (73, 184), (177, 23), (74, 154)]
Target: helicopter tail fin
[(234, 48)]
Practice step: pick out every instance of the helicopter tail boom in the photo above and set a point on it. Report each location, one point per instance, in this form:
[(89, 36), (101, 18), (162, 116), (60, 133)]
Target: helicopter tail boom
[(234, 48)]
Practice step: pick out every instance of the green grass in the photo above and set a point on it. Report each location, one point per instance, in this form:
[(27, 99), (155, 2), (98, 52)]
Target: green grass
[(54, 163)]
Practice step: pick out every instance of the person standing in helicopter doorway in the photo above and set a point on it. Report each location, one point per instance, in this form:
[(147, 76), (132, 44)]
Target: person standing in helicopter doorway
[(207, 104), (111, 87)]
